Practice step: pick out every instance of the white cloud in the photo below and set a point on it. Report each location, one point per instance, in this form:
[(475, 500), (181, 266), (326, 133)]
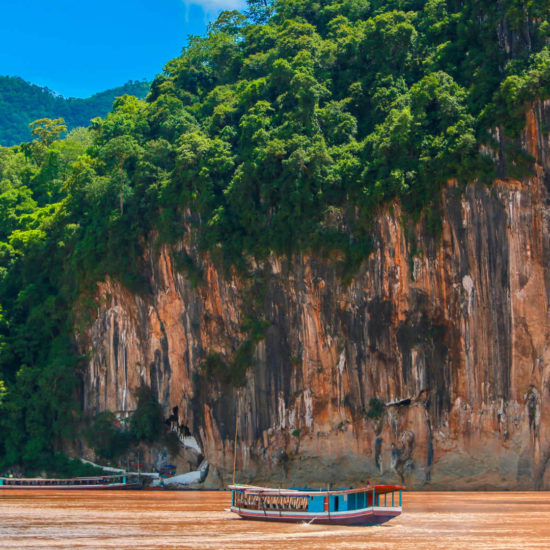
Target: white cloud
[(214, 6)]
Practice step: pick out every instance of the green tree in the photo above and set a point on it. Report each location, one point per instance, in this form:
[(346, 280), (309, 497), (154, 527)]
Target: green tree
[(259, 11), (106, 437), (147, 422), (47, 130)]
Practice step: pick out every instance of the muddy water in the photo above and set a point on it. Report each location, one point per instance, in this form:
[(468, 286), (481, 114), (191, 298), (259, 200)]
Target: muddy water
[(155, 520)]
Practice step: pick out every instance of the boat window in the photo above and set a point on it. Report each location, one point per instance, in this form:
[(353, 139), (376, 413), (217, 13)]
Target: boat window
[(271, 502)]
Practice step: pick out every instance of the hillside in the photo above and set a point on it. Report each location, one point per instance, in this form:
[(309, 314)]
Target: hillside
[(328, 218), (22, 102)]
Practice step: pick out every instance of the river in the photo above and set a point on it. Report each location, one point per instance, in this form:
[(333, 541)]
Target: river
[(132, 520)]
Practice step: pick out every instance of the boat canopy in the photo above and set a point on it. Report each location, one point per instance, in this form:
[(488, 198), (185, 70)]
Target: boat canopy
[(254, 490)]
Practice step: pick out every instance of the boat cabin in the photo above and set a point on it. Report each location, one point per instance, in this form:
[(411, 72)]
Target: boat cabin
[(349, 500)]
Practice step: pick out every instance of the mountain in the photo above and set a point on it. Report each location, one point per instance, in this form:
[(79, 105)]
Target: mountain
[(21, 103), (323, 234)]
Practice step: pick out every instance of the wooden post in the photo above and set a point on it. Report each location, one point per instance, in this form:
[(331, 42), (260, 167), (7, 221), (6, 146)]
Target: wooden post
[(235, 449), (235, 442)]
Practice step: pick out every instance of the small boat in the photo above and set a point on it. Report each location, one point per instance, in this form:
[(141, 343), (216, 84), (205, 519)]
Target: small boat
[(370, 505), (81, 483)]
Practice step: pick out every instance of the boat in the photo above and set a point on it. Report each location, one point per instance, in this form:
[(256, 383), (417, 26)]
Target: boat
[(369, 505), (81, 483)]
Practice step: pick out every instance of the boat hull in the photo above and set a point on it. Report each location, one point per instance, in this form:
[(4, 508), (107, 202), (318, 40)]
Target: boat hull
[(113, 487), (366, 516)]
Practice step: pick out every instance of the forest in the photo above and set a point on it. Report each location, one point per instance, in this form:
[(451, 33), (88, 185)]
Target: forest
[(21, 103), (282, 129)]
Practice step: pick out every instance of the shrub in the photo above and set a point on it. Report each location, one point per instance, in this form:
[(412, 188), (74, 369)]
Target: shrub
[(376, 408), (147, 423), (106, 438)]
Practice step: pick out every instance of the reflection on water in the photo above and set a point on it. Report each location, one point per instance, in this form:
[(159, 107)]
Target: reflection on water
[(153, 520)]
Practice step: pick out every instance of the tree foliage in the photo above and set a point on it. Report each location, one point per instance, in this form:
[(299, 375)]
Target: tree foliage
[(147, 423), (105, 436)]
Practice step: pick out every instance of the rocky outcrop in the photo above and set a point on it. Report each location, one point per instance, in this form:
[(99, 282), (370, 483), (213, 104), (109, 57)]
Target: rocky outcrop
[(450, 332)]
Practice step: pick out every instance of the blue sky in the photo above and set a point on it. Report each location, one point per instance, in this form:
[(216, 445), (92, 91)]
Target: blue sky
[(79, 47)]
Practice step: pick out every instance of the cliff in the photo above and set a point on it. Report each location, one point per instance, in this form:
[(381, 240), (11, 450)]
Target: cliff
[(451, 333)]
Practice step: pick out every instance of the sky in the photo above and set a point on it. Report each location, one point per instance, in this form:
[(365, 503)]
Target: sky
[(79, 47)]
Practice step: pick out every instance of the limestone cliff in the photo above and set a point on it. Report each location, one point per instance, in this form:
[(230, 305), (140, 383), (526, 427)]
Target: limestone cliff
[(451, 333)]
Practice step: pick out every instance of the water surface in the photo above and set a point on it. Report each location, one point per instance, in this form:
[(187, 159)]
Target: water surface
[(125, 520)]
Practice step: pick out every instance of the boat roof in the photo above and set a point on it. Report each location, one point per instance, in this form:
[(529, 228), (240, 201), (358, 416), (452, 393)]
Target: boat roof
[(254, 490)]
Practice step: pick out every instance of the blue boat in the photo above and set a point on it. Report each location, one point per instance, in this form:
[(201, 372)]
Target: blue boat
[(369, 505)]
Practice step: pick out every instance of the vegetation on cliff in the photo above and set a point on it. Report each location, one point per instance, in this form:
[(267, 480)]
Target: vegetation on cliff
[(111, 439), (22, 102), (281, 131)]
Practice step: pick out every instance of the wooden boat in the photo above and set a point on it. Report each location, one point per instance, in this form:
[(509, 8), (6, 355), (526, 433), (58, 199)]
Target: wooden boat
[(370, 505), (81, 483)]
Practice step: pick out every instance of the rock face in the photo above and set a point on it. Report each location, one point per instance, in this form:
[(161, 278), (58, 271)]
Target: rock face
[(451, 333)]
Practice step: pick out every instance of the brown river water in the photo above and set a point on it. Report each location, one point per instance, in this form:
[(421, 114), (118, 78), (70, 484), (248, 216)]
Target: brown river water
[(164, 520)]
